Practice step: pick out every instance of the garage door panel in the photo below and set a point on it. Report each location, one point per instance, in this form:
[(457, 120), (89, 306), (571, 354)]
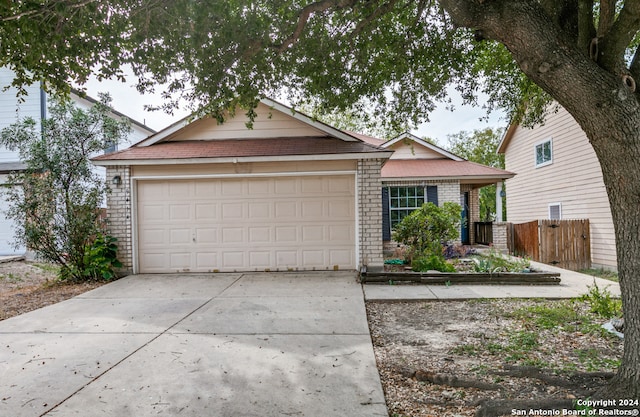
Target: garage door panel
[(246, 224), (206, 212), (179, 236), (260, 234), (206, 235), (286, 209), (180, 212), (233, 260), (206, 260), (286, 258), (260, 259), (285, 186)]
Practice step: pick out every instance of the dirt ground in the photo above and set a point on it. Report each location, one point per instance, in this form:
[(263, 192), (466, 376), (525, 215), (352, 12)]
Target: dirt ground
[(445, 359), (441, 359), (26, 286)]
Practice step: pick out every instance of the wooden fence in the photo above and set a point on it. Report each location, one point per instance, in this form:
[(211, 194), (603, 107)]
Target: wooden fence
[(563, 243), (483, 232)]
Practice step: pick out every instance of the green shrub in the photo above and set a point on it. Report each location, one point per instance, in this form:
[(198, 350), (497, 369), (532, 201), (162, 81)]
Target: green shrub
[(426, 229), (432, 262), (100, 258), (602, 303)]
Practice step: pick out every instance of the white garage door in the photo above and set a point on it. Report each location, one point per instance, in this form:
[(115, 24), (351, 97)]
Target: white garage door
[(246, 224)]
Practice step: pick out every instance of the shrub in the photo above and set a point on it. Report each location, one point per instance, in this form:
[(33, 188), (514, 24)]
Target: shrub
[(602, 303), (426, 229), (432, 262)]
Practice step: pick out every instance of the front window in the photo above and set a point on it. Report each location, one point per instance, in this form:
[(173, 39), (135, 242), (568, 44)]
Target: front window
[(402, 201), (544, 153)]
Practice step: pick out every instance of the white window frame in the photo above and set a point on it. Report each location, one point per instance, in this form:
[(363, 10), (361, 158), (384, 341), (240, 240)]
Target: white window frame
[(535, 153), (559, 205), (408, 209)]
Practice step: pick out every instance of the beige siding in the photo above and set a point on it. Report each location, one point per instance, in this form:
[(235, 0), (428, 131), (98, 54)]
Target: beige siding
[(269, 123), (412, 150), (573, 179)]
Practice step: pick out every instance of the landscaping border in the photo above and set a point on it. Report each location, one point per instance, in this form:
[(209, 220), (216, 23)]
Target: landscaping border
[(451, 278)]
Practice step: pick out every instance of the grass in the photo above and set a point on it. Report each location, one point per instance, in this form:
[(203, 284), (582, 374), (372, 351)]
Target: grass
[(601, 273), (526, 341)]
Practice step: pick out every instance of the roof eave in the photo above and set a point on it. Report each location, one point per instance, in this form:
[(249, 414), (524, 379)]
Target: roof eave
[(240, 159)]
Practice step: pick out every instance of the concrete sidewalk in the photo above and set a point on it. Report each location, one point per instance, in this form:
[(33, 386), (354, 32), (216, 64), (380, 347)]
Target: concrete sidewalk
[(196, 345), (573, 284)]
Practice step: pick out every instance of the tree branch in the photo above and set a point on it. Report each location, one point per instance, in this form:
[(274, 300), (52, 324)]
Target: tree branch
[(634, 68), (616, 40), (379, 11), (586, 27), (305, 15), (48, 8), (607, 16)]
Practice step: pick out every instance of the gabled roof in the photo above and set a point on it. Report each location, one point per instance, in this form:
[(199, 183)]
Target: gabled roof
[(431, 146), (506, 138), (442, 169), (322, 127), (183, 143), (84, 96)]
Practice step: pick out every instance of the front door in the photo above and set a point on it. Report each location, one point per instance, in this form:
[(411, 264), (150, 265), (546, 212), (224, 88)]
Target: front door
[(464, 226)]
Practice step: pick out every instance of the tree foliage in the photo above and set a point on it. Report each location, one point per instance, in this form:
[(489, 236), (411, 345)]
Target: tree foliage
[(56, 208), (480, 146)]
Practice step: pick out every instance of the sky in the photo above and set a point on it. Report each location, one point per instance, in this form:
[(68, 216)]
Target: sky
[(443, 121)]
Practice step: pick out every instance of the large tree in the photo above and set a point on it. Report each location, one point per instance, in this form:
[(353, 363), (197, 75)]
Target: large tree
[(399, 54)]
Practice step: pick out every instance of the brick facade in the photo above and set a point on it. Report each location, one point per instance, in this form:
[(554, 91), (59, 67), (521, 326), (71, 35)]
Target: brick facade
[(501, 236), (370, 213), (119, 214)]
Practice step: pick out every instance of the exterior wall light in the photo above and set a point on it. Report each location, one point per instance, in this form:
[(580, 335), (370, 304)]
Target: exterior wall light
[(116, 180)]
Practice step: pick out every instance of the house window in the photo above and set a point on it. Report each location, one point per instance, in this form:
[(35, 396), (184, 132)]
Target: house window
[(555, 211), (544, 153), (402, 201), (110, 147)]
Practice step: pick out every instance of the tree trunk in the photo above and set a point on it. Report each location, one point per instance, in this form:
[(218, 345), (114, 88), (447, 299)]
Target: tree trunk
[(607, 111)]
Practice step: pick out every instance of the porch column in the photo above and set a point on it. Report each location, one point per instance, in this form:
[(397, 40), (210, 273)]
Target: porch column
[(499, 198)]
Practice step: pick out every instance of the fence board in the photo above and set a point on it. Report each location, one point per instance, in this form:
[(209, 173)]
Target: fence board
[(525, 240), (483, 232), (565, 243)]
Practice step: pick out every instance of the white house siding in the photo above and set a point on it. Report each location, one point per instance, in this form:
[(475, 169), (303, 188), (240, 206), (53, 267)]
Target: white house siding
[(573, 179), (11, 109)]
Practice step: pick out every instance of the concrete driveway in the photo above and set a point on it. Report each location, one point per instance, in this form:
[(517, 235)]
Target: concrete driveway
[(289, 344)]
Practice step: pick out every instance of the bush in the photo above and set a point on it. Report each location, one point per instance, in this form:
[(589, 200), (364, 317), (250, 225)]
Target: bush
[(432, 262), (426, 229), (602, 302)]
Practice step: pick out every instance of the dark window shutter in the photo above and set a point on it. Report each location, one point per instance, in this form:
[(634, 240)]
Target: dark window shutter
[(386, 224), (432, 194)]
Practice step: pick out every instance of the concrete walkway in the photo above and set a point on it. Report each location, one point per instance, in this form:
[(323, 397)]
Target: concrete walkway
[(573, 284), (196, 345)]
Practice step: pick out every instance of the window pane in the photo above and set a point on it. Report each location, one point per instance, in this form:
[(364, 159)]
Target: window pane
[(420, 191), (394, 202), (394, 191), (402, 191)]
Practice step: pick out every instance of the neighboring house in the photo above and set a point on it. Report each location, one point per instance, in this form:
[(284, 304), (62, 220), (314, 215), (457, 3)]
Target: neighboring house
[(289, 194), (34, 105), (420, 172), (559, 177)]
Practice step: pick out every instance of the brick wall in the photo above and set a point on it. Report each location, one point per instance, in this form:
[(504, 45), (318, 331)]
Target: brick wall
[(370, 213), (119, 214), (500, 236)]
